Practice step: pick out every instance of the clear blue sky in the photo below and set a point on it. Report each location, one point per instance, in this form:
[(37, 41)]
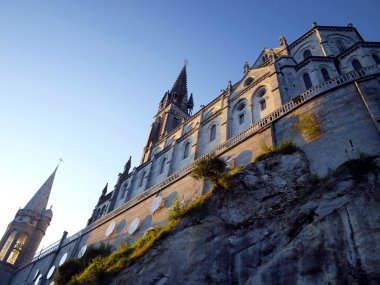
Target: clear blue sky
[(82, 80)]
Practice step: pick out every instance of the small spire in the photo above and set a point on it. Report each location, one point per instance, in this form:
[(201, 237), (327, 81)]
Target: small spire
[(39, 201), (190, 104), (283, 41), (229, 87), (127, 166), (314, 24), (246, 68), (180, 85), (105, 190)]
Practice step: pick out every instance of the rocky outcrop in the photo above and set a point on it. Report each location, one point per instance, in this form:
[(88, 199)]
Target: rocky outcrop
[(273, 227)]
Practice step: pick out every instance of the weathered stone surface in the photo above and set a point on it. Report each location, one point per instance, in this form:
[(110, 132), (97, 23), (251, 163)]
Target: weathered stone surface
[(273, 227)]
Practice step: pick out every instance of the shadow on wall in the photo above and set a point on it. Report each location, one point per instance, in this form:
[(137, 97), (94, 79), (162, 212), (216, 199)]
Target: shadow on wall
[(169, 199), (243, 158)]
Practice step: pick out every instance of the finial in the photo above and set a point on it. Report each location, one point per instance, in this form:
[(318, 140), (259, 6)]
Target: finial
[(314, 24), (51, 207), (350, 25), (186, 62), (60, 160)]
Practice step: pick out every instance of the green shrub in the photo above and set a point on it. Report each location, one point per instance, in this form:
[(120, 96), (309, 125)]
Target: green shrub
[(67, 270), (285, 147), (359, 167), (175, 209), (212, 168), (307, 125), (73, 267)]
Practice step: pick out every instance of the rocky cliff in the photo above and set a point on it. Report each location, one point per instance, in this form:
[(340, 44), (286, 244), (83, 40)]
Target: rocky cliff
[(274, 226)]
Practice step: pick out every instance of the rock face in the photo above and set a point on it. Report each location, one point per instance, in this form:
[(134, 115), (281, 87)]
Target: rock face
[(273, 227)]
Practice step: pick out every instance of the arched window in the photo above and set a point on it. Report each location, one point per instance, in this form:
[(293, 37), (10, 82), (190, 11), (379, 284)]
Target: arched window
[(241, 119), (306, 54), (376, 58), (162, 168), (325, 74), (263, 104), (356, 64), (7, 245), (262, 92), (307, 80), (212, 133), (142, 178), (241, 106), (17, 249), (186, 150), (340, 46)]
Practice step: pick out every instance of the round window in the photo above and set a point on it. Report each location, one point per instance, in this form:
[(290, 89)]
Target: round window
[(248, 81)]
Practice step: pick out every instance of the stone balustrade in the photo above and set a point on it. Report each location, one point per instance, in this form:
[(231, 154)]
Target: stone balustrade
[(251, 130)]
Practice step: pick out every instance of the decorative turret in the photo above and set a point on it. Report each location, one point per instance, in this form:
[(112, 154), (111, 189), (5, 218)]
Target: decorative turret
[(25, 232)]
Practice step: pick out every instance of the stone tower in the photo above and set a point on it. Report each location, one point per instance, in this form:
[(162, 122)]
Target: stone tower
[(175, 106), (25, 232)]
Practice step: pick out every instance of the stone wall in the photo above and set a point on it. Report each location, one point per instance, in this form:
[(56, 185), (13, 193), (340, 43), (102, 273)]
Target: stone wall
[(347, 128)]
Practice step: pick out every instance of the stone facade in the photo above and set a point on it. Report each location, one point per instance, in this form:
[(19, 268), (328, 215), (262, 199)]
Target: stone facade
[(330, 73)]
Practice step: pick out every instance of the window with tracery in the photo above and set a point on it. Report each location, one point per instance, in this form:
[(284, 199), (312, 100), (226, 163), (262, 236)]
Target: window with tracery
[(7, 245), (17, 249), (212, 133), (325, 74), (186, 150), (307, 80), (241, 119), (306, 54), (162, 168), (356, 64)]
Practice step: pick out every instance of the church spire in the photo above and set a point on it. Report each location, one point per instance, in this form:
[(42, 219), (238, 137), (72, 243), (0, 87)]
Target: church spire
[(39, 201), (180, 85)]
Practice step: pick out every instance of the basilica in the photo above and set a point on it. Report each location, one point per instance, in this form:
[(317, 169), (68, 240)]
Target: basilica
[(330, 73)]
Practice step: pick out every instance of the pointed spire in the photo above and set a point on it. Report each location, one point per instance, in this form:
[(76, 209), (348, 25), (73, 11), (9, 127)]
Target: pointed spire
[(180, 85), (39, 201), (105, 190), (127, 166), (229, 87), (190, 104)]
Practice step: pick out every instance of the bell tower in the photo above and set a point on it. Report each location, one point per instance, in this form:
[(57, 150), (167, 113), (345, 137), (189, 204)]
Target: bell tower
[(175, 106), (25, 232)]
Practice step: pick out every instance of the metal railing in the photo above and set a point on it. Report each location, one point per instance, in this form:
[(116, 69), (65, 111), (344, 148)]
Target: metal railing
[(45, 251)]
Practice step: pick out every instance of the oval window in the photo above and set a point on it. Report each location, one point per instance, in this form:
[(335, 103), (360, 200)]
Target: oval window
[(248, 81)]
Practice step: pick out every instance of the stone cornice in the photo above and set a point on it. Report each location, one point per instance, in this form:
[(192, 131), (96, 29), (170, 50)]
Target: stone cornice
[(254, 84), (356, 46), (313, 58)]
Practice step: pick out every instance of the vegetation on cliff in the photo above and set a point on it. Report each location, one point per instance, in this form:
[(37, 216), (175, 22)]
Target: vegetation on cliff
[(261, 198)]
